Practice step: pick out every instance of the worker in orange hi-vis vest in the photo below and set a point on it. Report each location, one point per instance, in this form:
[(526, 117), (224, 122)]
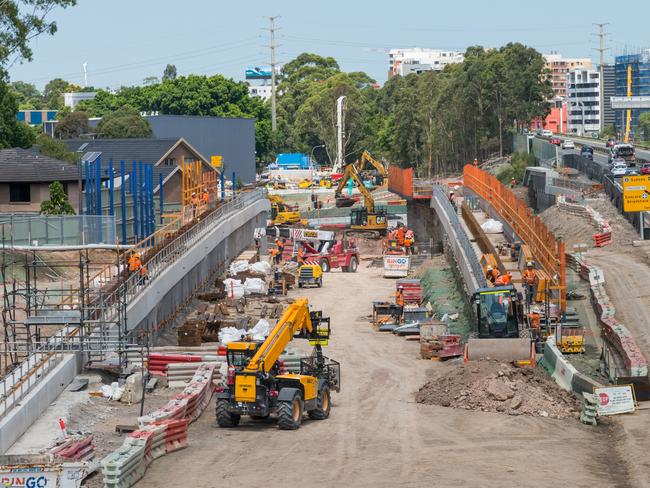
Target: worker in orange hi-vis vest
[(529, 277), (194, 203), (504, 280), (206, 197), (134, 262)]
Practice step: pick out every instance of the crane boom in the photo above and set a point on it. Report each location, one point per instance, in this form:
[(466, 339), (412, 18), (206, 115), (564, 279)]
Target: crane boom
[(351, 173), (295, 319)]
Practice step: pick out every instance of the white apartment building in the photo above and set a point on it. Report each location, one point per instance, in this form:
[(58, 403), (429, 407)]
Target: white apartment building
[(559, 67), (583, 100), (417, 60)]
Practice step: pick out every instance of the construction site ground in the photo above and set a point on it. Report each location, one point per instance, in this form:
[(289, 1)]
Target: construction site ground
[(378, 435)]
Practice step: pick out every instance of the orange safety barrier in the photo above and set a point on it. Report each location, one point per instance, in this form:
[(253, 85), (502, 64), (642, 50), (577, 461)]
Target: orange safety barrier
[(400, 181), (602, 239), (548, 252)]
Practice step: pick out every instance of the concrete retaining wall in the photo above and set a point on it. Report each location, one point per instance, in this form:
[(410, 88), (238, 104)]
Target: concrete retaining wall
[(19, 419)]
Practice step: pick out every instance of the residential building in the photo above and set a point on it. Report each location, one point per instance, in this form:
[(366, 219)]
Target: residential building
[(417, 60), (559, 68), (26, 176), (231, 138), (72, 99), (583, 100), (636, 67), (608, 87)]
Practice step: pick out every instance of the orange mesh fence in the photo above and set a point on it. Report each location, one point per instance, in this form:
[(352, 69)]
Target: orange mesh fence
[(400, 181), (547, 251)]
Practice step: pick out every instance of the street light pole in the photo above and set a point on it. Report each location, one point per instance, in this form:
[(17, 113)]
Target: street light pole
[(311, 156)]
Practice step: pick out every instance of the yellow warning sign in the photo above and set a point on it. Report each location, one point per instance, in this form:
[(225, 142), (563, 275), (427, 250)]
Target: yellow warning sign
[(636, 193), (216, 161)]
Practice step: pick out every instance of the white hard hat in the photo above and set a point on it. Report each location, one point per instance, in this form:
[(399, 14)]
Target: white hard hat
[(529, 264)]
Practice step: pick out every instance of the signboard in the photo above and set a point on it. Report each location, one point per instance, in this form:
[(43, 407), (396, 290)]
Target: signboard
[(636, 193), (633, 102), (396, 266), (258, 73), (216, 161), (613, 400)]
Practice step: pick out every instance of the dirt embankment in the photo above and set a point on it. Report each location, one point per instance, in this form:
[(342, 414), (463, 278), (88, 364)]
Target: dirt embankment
[(492, 386)]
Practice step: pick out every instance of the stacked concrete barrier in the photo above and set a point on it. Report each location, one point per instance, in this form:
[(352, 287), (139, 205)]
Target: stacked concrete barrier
[(614, 333), (125, 466), (563, 372), (604, 235), (77, 449)]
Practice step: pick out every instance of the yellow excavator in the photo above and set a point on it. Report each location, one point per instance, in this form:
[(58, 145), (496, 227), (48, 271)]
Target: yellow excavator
[(382, 170), (367, 219), (281, 213), (258, 386)]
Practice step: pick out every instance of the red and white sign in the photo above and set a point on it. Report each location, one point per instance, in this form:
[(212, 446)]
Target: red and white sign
[(613, 400)]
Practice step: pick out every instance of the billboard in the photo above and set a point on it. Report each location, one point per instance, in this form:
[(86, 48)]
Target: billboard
[(258, 73)]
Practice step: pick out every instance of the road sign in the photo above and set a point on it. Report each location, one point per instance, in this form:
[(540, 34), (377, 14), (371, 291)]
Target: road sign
[(216, 161), (636, 193), (613, 400)]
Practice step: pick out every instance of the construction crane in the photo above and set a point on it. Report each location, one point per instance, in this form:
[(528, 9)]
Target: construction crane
[(382, 169), (368, 220), (258, 387)]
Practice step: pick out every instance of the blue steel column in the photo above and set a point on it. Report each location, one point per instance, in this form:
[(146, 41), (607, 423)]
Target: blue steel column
[(233, 184), (135, 201), (111, 188), (86, 176), (141, 199), (123, 201), (223, 186), (162, 200), (98, 186)]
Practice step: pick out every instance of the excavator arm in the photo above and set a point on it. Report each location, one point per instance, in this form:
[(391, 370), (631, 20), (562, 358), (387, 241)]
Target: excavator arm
[(366, 157), (352, 173), (294, 320)]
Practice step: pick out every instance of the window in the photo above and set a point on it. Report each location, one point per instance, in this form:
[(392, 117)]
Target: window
[(19, 193)]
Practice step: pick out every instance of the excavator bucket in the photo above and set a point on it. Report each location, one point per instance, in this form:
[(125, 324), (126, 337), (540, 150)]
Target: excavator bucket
[(518, 351), (342, 202)]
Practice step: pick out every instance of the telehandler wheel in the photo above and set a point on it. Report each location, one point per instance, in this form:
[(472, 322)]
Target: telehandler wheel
[(323, 405), (325, 265), (352, 268), (224, 417), (290, 413)]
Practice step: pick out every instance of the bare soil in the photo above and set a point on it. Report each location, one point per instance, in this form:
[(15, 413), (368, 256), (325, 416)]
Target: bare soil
[(378, 434)]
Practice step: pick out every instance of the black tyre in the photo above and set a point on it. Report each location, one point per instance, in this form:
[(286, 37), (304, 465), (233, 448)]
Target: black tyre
[(226, 419), (325, 265), (290, 413), (323, 405), (352, 268), (299, 285), (320, 282)]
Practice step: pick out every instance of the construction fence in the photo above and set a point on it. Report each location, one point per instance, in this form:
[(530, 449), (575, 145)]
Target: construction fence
[(57, 230), (548, 252), (400, 181)]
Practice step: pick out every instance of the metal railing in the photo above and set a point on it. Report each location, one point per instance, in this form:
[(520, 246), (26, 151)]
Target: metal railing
[(18, 383)]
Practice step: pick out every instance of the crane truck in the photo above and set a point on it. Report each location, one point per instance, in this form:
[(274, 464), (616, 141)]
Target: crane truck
[(367, 219), (257, 386)]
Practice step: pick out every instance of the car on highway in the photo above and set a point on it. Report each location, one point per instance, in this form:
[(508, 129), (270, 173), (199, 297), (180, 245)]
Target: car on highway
[(610, 142), (587, 152), (618, 170), (547, 133), (645, 169), (568, 144), (632, 171), (556, 141), (616, 161)]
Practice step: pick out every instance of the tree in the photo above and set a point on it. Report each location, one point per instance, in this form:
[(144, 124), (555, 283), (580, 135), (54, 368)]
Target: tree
[(71, 125), (12, 132), (644, 126), (126, 123), (58, 203), (55, 149), (170, 73), (609, 131), (23, 20), (53, 93), (150, 80), (27, 95)]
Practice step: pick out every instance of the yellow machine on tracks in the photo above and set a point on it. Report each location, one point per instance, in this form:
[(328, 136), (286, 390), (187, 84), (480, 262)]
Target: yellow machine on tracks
[(258, 387)]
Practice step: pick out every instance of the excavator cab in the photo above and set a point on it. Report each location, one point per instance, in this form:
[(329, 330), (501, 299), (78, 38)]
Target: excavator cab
[(498, 311), (376, 221)]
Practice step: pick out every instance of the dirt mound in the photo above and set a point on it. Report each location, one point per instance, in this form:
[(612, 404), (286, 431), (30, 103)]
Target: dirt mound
[(492, 386)]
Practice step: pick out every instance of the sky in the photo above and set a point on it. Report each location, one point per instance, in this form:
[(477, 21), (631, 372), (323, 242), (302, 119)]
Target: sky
[(125, 41)]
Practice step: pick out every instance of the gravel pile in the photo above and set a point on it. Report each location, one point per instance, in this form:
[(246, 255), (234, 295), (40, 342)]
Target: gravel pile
[(492, 386)]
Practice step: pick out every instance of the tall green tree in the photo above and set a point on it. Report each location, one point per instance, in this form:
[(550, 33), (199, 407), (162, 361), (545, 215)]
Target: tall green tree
[(71, 125), (58, 203), (170, 73), (54, 90), (124, 123), (27, 96), (644, 126), (12, 132), (55, 149)]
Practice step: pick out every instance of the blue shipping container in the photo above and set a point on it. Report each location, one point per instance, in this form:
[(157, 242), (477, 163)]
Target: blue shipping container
[(292, 161)]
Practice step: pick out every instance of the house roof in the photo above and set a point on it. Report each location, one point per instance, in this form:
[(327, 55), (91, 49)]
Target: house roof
[(21, 166), (128, 150)]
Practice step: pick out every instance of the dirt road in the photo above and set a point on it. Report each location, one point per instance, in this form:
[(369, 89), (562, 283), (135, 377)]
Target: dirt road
[(377, 435)]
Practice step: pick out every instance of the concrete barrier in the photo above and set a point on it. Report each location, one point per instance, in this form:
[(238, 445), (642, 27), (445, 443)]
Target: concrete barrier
[(563, 372)]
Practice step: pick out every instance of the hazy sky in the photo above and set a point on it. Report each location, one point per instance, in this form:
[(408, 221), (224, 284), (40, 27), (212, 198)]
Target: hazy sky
[(126, 41)]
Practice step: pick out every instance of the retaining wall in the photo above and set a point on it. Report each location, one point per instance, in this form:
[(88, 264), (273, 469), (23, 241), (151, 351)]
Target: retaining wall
[(19, 419)]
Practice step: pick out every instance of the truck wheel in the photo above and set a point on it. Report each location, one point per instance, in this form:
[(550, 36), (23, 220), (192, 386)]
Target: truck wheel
[(323, 405), (224, 417), (352, 268), (325, 265), (320, 282), (290, 413)]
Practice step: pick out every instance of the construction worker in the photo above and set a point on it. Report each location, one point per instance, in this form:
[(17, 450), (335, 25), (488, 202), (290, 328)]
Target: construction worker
[(144, 274), (513, 182), (280, 244), (206, 197), (475, 162), (409, 240), (299, 256), (399, 296), (400, 234), (504, 279), (492, 274), (134, 262), (275, 255), (452, 199), (528, 277), (194, 203)]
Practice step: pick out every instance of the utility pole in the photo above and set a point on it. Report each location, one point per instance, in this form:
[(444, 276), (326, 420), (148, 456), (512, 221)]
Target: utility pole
[(273, 46), (340, 134), (601, 70)]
